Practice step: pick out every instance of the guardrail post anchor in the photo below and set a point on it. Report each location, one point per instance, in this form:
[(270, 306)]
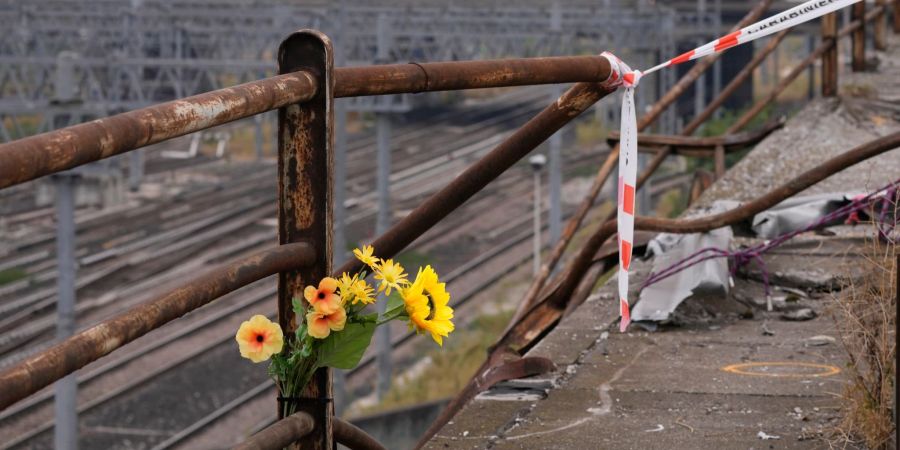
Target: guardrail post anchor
[(305, 179)]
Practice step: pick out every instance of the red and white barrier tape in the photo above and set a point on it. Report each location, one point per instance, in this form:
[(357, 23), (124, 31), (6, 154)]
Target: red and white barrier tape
[(623, 76)]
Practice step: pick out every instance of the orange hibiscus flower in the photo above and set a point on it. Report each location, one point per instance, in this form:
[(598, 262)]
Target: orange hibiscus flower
[(324, 299)]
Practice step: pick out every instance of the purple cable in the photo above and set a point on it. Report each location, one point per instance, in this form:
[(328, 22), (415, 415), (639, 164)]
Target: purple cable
[(745, 256)]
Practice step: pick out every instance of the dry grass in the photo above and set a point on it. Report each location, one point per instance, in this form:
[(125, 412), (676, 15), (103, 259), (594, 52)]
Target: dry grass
[(865, 315)]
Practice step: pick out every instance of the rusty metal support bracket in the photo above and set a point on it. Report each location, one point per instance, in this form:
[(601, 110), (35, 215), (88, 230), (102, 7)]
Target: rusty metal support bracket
[(305, 146)]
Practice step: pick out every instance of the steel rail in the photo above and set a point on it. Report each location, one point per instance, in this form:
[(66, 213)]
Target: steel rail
[(280, 434), (56, 151), (39, 371)]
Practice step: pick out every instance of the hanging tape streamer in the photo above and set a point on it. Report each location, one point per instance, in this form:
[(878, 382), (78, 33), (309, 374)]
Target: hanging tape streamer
[(623, 76)]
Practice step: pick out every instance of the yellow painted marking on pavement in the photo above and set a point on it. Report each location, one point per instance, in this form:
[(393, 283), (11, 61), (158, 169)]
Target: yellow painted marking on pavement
[(824, 370)]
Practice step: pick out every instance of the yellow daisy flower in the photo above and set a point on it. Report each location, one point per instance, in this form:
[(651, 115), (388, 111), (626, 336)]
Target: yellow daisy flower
[(362, 292), (259, 338), (366, 255), (391, 275), (356, 289), (427, 304)]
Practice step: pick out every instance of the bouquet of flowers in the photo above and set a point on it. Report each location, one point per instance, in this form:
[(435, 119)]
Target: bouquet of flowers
[(337, 328)]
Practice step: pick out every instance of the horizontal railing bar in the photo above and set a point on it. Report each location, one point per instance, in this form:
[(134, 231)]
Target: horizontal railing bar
[(36, 156), (448, 76), (729, 141), (439, 205), (280, 434), (39, 371), (55, 151)]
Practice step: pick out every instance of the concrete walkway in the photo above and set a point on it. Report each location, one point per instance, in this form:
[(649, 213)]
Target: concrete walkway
[(737, 377)]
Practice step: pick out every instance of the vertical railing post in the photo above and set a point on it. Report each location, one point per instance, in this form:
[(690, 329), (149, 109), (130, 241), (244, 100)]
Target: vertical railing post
[(896, 14), (880, 31), (830, 56), (859, 38), (305, 144)]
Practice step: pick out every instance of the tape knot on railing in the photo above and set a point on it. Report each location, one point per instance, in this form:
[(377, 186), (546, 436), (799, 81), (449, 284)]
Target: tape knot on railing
[(620, 74)]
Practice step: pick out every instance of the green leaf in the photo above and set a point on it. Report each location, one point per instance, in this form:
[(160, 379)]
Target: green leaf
[(343, 349), (299, 309), (395, 308)]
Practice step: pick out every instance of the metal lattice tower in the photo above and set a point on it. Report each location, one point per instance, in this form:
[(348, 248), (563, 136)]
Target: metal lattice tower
[(132, 53)]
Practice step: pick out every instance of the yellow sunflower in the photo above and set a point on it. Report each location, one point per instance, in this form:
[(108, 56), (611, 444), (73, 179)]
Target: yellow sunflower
[(391, 275), (366, 255), (427, 304)]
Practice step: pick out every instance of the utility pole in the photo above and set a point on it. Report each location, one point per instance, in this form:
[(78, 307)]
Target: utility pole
[(555, 180), (383, 221), (65, 431), (537, 164)]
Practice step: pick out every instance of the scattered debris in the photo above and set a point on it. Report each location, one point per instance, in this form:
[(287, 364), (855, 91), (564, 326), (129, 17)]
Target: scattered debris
[(679, 422), (798, 212), (659, 300), (818, 341), (765, 330), (800, 314), (766, 437), (658, 428)]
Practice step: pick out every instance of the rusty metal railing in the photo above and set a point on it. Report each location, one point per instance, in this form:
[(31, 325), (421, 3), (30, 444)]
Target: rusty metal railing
[(304, 92)]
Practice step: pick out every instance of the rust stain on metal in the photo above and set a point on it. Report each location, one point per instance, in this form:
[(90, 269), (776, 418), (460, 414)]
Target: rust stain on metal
[(59, 150)]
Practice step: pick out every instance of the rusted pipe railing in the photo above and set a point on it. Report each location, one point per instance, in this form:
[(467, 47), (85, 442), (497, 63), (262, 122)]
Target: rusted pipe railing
[(38, 371), (606, 169), (583, 260), (572, 103), (700, 146), (447, 76), (55, 151), (280, 434), (352, 437)]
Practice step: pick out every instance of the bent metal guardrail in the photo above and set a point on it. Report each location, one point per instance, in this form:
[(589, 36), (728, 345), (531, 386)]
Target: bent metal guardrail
[(304, 92)]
